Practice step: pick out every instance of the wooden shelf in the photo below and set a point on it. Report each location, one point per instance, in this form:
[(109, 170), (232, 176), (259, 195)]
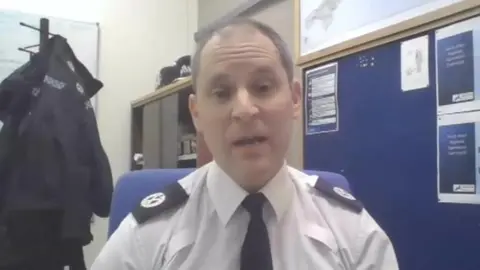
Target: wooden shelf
[(188, 156), (163, 92), (160, 121)]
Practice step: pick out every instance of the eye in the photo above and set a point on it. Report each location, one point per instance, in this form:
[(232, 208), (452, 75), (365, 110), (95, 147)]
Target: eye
[(221, 93), (263, 87)]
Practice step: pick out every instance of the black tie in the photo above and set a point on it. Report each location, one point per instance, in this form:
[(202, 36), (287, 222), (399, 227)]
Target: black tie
[(256, 253)]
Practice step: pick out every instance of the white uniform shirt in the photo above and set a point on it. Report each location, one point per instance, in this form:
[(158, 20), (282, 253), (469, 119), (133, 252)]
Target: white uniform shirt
[(306, 230)]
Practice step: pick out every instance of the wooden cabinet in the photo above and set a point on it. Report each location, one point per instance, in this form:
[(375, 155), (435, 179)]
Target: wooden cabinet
[(151, 135), (170, 134), (163, 131)]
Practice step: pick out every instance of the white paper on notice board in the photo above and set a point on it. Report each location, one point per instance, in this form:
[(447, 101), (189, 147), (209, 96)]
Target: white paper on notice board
[(321, 104), (414, 64)]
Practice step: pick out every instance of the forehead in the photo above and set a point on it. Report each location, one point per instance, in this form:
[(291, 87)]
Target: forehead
[(237, 45)]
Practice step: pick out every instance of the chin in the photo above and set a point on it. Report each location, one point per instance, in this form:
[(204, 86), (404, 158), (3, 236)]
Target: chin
[(256, 168)]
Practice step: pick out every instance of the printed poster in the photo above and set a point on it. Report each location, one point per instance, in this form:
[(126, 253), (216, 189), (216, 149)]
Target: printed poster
[(459, 158), (458, 112), (321, 104), (458, 67)]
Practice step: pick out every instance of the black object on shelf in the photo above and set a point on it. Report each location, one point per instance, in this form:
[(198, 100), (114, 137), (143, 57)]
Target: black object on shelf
[(184, 65), (44, 32), (168, 74)]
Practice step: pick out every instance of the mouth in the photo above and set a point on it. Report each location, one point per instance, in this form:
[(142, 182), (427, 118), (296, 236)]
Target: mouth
[(250, 141)]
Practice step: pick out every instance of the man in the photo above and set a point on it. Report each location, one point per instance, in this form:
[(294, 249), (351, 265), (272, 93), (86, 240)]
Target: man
[(247, 209)]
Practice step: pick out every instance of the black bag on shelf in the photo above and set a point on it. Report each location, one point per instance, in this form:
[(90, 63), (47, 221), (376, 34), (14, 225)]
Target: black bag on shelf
[(168, 75), (184, 65)]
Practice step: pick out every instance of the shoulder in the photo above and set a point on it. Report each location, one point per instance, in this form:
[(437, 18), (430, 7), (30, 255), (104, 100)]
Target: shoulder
[(318, 187), (168, 199), (359, 238), (145, 233)]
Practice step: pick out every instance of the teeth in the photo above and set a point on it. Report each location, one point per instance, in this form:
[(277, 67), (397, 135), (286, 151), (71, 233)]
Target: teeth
[(249, 141), (252, 140)]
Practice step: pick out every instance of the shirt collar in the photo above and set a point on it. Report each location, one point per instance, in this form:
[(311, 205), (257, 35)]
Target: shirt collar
[(227, 195), (279, 191)]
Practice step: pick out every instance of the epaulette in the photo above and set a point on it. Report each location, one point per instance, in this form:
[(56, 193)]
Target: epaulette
[(337, 193), (157, 203)]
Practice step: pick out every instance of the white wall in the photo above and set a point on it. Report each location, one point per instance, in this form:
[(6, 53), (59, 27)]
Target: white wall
[(137, 39)]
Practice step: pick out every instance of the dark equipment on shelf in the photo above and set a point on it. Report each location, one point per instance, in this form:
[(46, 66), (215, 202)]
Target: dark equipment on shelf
[(171, 74), (184, 65), (168, 75)]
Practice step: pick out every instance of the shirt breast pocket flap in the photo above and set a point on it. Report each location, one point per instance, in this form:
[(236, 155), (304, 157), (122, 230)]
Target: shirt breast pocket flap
[(179, 243), (321, 236)]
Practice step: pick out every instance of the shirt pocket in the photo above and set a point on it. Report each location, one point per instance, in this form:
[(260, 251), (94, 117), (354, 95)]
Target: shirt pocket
[(322, 248), (178, 250)]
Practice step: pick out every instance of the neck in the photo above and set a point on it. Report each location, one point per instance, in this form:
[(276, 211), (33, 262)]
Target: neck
[(253, 188), (253, 182)]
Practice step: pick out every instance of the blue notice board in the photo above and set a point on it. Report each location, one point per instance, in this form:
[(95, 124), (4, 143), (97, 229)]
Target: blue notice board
[(386, 145)]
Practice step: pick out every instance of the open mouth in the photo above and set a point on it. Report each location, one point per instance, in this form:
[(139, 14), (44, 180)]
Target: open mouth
[(247, 141)]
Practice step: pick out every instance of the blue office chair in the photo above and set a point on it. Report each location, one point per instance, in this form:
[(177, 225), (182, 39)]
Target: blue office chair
[(133, 186)]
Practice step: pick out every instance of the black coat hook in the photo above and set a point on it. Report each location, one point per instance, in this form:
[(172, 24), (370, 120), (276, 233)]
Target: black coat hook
[(44, 35)]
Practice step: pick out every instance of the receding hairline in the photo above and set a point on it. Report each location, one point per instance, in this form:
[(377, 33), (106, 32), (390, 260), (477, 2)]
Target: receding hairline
[(242, 24)]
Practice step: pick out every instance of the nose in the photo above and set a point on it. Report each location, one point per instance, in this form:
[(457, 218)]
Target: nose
[(244, 107)]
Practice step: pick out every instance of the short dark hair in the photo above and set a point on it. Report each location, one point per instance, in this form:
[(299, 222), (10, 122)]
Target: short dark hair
[(269, 32)]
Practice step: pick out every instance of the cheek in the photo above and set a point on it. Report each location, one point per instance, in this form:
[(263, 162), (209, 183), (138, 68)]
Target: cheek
[(214, 130), (279, 120), (210, 118), (280, 112)]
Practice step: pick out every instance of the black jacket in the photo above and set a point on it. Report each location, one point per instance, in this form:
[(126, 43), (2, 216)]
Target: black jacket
[(55, 160)]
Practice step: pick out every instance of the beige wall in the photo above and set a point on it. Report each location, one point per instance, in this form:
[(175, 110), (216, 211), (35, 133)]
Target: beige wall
[(279, 15)]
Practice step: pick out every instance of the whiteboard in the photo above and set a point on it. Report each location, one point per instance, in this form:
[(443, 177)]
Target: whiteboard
[(82, 37), (326, 23)]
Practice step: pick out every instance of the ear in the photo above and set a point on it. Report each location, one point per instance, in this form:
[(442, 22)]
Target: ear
[(296, 98), (193, 107)]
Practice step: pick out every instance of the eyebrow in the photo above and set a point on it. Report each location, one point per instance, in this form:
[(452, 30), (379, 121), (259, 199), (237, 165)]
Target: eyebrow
[(219, 77), (225, 77), (263, 69)]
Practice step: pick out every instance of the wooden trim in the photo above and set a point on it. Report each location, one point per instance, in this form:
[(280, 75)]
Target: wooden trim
[(163, 92), (435, 19)]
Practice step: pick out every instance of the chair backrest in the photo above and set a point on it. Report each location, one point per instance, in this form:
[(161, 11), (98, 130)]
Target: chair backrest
[(133, 186)]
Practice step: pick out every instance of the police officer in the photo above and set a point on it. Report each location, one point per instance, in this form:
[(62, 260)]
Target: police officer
[(247, 209)]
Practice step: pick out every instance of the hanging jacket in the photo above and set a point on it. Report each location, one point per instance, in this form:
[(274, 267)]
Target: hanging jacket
[(14, 106), (57, 161)]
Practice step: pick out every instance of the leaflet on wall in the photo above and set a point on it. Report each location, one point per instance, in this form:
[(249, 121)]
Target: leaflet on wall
[(414, 64), (458, 160), (321, 105), (458, 70)]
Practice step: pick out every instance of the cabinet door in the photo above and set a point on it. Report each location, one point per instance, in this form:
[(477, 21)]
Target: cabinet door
[(152, 135), (169, 130)]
